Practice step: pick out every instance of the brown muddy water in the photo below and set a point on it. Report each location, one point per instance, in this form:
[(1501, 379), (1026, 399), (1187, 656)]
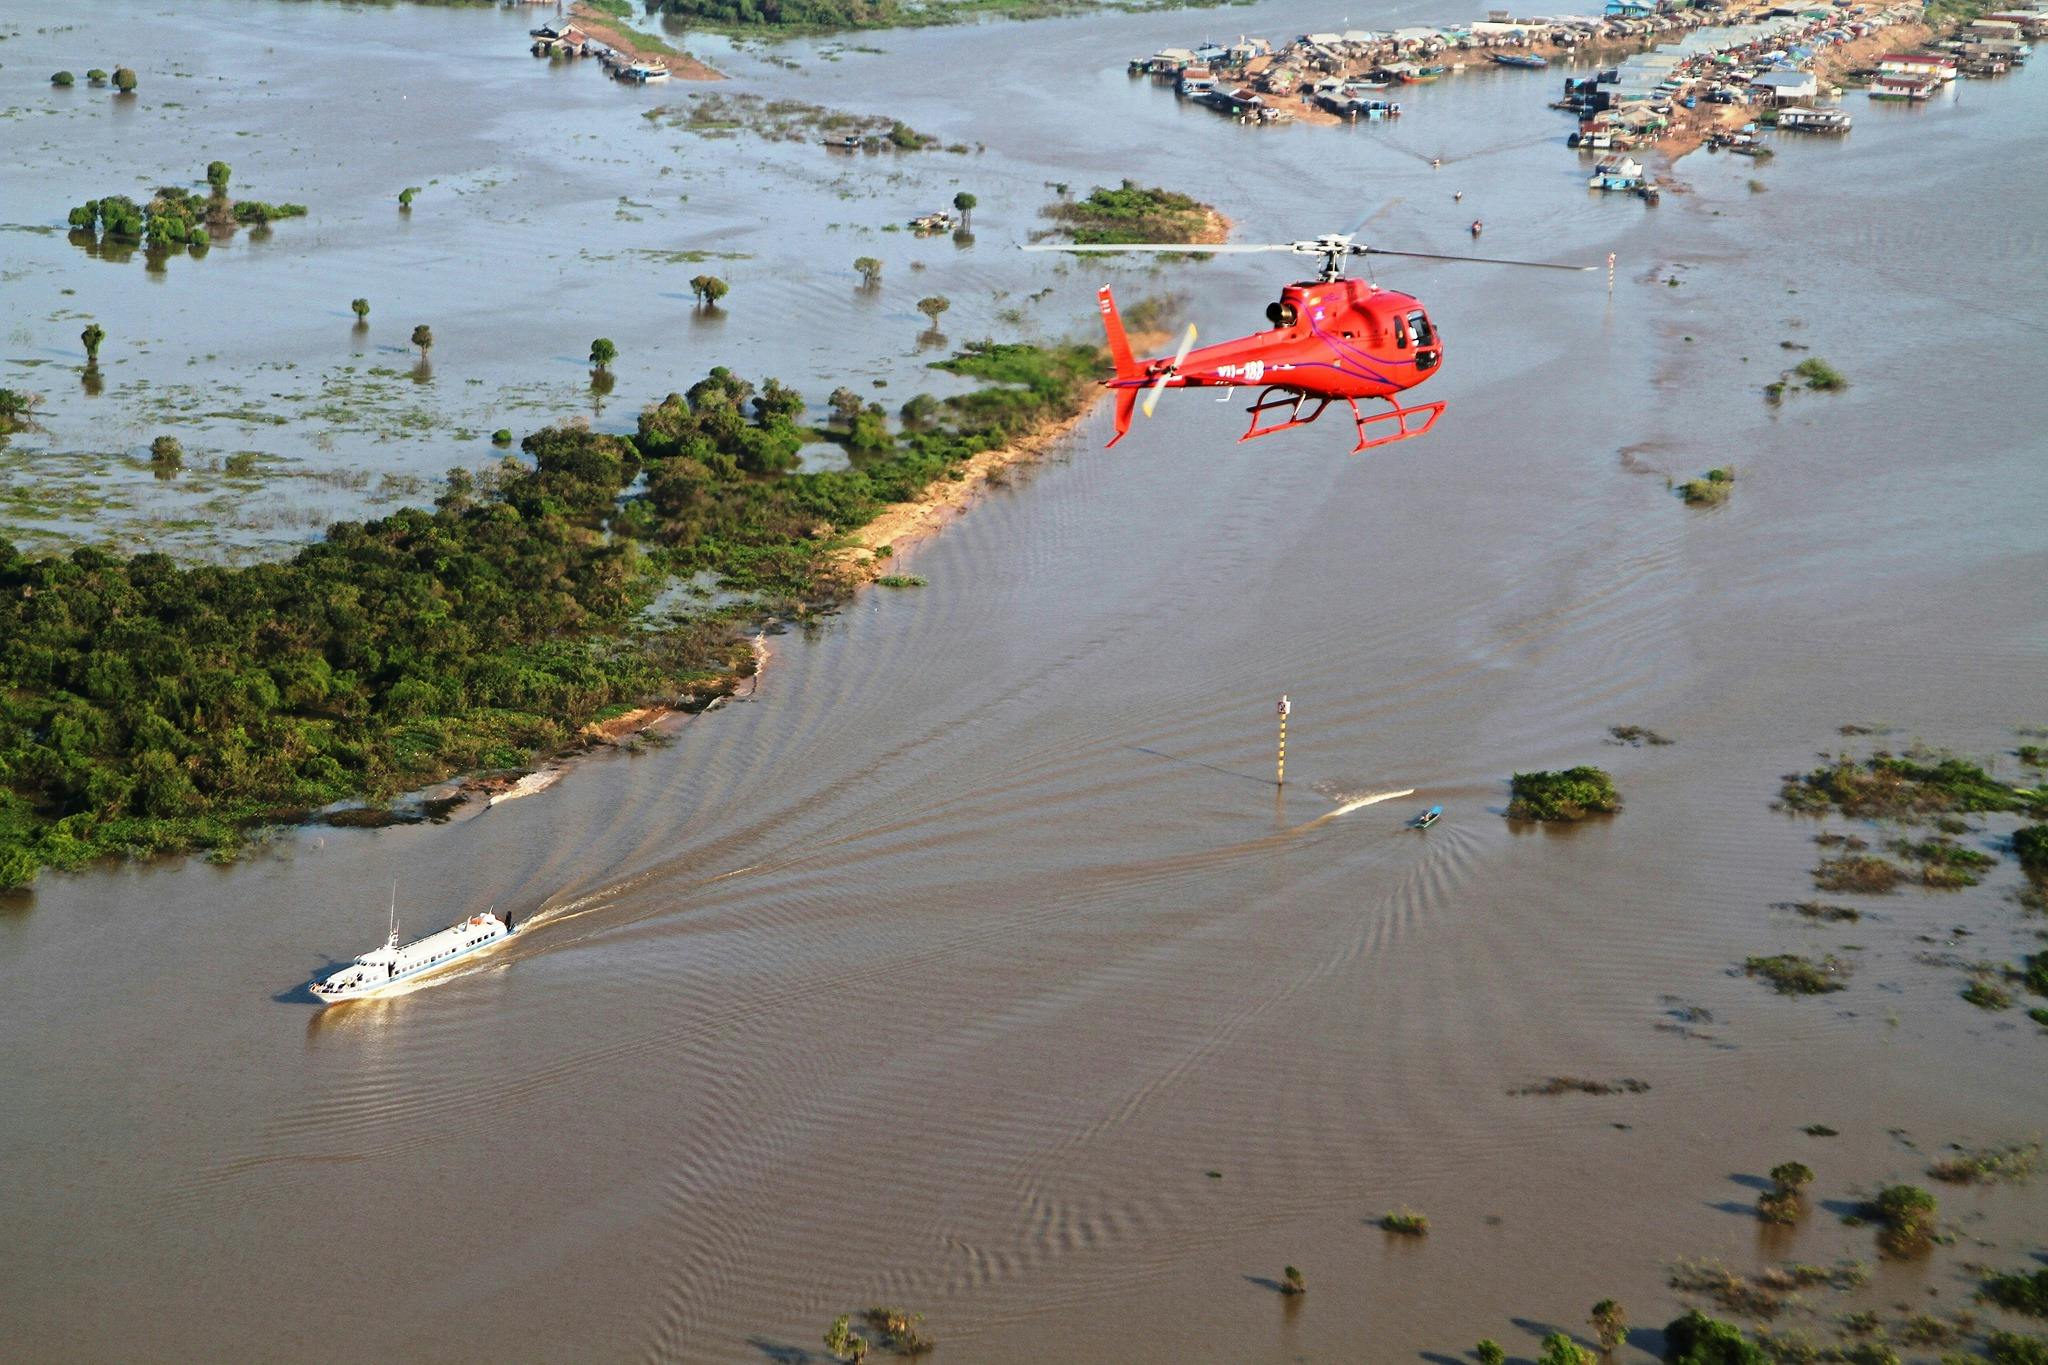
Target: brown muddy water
[(944, 970)]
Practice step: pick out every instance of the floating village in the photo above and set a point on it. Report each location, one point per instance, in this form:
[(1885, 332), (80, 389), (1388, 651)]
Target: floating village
[(1682, 76)]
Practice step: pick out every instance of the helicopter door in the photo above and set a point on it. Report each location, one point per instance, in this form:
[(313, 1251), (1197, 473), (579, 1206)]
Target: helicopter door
[(1426, 353)]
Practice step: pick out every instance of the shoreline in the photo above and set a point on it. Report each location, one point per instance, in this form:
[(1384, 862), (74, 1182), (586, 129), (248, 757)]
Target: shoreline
[(622, 40)]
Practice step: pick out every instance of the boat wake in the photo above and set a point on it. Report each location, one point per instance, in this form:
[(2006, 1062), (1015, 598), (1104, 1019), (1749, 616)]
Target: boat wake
[(1348, 802)]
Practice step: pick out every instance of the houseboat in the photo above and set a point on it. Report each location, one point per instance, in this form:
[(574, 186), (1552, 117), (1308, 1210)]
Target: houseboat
[(1902, 88), (1527, 60), (1813, 120), (1616, 173)]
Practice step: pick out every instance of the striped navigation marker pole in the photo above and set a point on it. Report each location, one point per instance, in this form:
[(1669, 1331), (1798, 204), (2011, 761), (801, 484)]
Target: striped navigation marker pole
[(1280, 766), (1610, 274)]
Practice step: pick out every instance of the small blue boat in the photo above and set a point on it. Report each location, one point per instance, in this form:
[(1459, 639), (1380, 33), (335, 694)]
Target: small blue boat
[(1427, 818), (1527, 60)]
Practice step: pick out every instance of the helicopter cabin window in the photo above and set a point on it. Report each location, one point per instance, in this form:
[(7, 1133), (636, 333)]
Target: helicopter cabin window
[(1424, 333), (1400, 332)]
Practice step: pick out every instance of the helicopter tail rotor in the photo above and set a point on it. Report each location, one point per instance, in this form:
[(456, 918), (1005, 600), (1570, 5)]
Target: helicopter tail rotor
[(1187, 343)]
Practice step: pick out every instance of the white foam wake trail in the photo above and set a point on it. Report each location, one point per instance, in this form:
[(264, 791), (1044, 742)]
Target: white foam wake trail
[(1352, 803)]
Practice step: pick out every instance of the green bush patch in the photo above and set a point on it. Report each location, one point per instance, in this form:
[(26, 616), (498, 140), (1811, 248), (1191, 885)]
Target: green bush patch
[(1573, 794), (1791, 974)]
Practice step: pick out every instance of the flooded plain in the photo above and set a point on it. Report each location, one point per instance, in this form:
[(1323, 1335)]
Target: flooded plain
[(975, 963)]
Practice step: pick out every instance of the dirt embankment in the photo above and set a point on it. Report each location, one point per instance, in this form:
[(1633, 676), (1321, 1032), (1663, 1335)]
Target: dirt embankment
[(629, 44)]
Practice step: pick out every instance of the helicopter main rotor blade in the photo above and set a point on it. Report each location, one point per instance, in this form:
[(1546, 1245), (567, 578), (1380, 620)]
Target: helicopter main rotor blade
[(1469, 260), (1187, 248), (1187, 343)]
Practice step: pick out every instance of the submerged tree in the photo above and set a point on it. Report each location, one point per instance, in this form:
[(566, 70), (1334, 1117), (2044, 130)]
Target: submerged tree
[(870, 271), (965, 202), (124, 80), (1559, 1349), (932, 305), (423, 337), (1490, 1352), (1291, 1281), (218, 173), (62, 78), (166, 455), (361, 308), (1610, 1325), (92, 336), (709, 289), (406, 196), (96, 76), (602, 354)]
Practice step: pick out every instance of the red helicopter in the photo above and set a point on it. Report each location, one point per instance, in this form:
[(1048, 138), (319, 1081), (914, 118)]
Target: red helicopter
[(1331, 339)]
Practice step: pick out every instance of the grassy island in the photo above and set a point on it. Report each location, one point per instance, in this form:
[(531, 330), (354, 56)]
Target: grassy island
[(147, 706), (1912, 786), (1135, 213), (1573, 794)]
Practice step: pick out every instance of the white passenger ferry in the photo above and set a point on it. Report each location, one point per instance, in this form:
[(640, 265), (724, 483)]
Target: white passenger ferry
[(382, 968)]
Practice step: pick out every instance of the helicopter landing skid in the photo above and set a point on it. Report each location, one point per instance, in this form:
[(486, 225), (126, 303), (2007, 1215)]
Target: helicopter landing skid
[(1271, 399)]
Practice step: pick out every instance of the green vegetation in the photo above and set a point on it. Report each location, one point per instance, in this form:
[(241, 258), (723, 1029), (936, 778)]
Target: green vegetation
[(1133, 213), (1822, 911), (964, 203), (1559, 1349), (1944, 863), (91, 338), (1580, 1085), (1906, 1213), (1609, 1321), (1902, 787), (1857, 872), (901, 1332), (1490, 1352), (2038, 1015), (2019, 1290), (1573, 794), (709, 289), (1637, 736), (1406, 1222), (2033, 755), (719, 113), (1710, 489), (932, 306), (2030, 846), (1785, 1199), (1697, 1339), (2011, 1164), (1791, 974), (17, 410), (2008, 1348), (843, 1342), (1987, 994), (602, 354), (406, 196), (63, 80), (501, 437), (174, 215), (166, 455), (870, 271), (124, 80), (423, 338), (361, 308), (146, 707), (900, 580), (96, 76), (1819, 375), (1291, 1282)]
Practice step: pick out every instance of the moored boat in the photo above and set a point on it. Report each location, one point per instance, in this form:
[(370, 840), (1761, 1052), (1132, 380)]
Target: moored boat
[(1527, 60)]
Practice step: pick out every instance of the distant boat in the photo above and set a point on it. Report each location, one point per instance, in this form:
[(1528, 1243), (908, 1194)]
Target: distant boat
[(382, 968), (1427, 818), (1523, 59)]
